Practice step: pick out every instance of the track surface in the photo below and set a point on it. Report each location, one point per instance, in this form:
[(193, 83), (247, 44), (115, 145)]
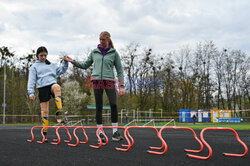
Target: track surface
[(16, 151)]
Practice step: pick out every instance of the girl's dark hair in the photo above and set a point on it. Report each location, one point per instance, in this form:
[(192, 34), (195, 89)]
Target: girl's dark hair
[(42, 49)]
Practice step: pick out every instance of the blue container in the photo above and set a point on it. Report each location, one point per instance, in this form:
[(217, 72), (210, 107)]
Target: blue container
[(206, 116), (192, 112), (202, 115), (184, 115)]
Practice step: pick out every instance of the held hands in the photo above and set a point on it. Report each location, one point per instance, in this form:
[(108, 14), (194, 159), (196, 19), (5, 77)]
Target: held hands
[(67, 58)]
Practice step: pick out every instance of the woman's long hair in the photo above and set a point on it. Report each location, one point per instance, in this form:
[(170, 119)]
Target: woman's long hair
[(107, 34), (42, 49)]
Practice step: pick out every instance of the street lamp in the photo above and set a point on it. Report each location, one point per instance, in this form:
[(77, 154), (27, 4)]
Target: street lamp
[(4, 92)]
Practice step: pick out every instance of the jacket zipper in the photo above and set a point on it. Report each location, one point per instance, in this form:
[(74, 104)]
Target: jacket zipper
[(102, 63), (102, 66)]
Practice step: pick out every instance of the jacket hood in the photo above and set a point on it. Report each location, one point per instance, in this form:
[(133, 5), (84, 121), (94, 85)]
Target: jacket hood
[(97, 50)]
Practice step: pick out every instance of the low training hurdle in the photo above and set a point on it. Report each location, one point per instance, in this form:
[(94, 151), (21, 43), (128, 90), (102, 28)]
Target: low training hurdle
[(56, 129), (77, 139), (165, 145), (58, 135), (128, 137), (88, 127), (43, 139), (130, 140), (210, 149), (111, 127), (32, 134)]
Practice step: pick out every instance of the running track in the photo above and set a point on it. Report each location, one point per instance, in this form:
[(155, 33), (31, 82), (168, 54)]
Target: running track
[(16, 151)]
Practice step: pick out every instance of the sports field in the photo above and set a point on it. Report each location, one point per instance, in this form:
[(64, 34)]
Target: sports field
[(15, 150)]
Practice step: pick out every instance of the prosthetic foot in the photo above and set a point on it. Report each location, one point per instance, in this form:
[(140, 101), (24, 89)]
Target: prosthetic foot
[(59, 112), (59, 116), (56, 89)]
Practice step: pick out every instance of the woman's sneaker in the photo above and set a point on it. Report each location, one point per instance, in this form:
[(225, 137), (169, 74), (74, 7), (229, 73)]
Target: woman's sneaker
[(117, 137)]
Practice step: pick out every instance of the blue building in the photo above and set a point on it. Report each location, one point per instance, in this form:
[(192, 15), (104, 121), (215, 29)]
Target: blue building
[(202, 115)]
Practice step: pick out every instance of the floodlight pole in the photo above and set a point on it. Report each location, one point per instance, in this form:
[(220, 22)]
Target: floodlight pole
[(4, 92)]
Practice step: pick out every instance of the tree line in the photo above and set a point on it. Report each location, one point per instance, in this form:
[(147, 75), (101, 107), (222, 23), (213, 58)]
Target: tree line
[(203, 77)]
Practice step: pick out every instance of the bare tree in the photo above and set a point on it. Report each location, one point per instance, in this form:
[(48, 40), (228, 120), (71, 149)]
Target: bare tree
[(218, 60), (129, 58), (184, 65), (167, 74), (202, 71)]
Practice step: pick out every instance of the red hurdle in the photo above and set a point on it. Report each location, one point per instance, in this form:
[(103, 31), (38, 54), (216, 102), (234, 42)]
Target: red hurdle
[(88, 127), (32, 134), (125, 135), (132, 140), (210, 149), (58, 135), (77, 139), (43, 140), (165, 145)]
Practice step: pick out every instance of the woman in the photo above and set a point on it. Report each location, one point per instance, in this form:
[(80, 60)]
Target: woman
[(43, 74), (105, 58)]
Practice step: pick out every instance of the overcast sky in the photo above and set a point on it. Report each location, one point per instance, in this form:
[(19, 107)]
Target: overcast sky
[(73, 26)]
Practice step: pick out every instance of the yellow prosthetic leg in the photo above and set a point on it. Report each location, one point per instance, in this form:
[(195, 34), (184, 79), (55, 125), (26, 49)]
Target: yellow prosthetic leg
[(56, 89), (45, 114)]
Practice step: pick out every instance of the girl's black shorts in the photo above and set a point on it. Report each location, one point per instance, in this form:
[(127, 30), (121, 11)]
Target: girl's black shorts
[(45, 93)]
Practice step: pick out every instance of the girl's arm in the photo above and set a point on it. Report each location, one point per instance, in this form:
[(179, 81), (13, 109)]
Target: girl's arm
[(62, 69), (32, 81)]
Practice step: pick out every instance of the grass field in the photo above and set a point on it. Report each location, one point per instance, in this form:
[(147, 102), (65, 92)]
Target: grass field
[(242, 126), (236, 126)]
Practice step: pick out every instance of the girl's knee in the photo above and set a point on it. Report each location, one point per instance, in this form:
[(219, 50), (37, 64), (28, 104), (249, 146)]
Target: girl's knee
[(56, 89)]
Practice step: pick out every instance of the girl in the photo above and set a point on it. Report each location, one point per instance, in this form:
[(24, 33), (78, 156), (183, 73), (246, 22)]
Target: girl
[(43, 74)]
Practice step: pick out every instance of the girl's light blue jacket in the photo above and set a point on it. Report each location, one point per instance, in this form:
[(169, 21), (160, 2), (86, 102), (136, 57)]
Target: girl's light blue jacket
[(41, 75)]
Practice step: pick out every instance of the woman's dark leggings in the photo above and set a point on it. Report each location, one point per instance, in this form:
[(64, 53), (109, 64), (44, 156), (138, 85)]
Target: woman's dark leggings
[(109, 86)]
